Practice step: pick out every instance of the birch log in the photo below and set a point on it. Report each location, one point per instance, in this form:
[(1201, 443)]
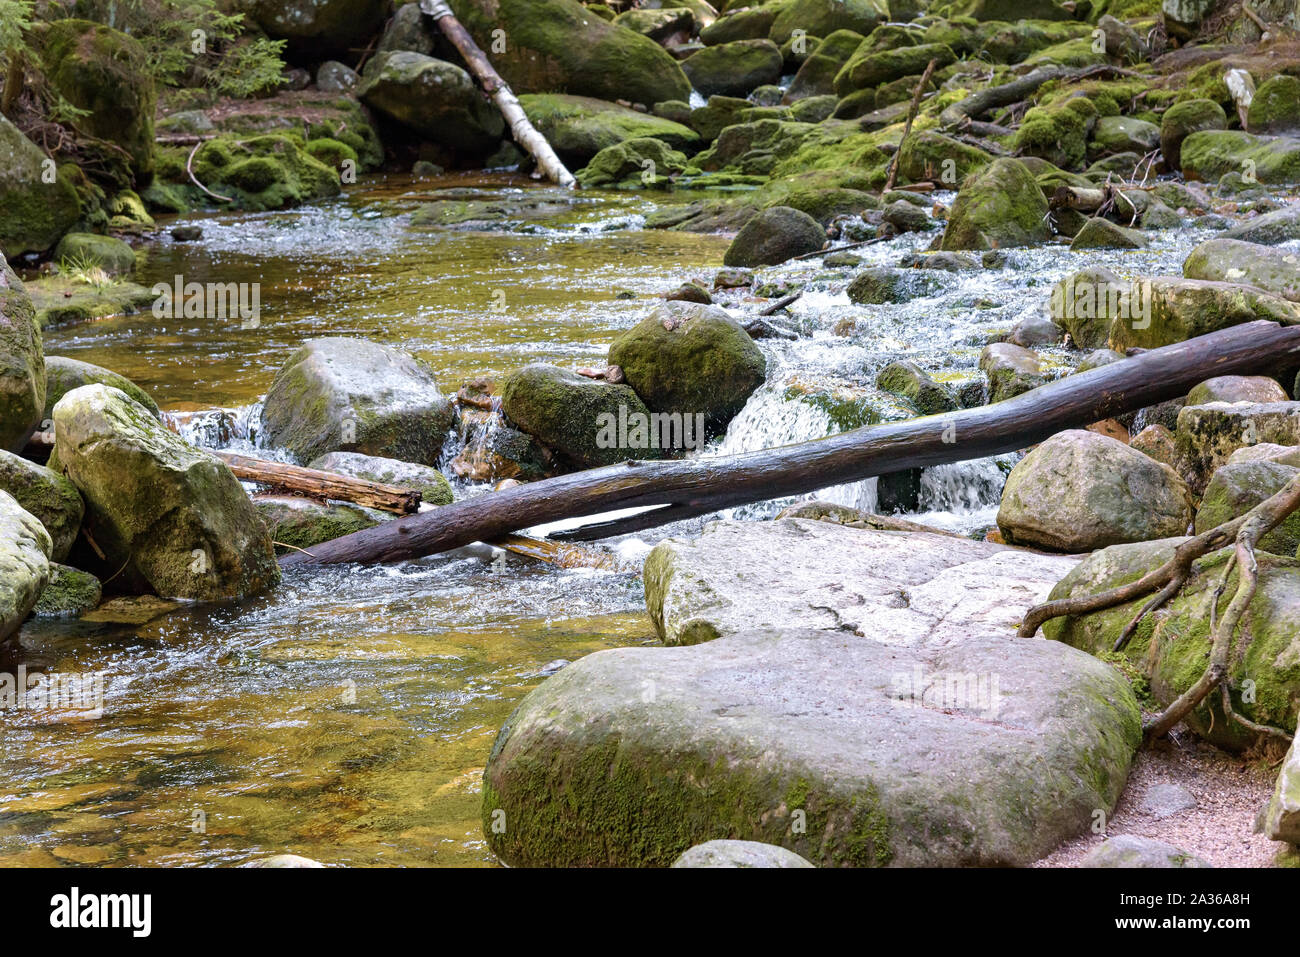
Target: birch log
[(521, 129)]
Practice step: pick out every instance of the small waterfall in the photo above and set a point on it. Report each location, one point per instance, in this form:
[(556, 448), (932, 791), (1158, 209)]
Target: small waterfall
[(238, 429), (960, 496)]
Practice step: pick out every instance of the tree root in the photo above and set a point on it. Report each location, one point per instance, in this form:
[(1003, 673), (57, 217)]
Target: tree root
[(1167, 580)]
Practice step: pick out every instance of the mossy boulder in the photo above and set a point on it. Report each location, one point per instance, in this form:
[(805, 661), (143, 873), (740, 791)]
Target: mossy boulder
[(333, 153), (70, 594), (869, 68), (1100, 233), (62, 375), (106, 73), (716, 115), (579, 127), (573, 414), (22, 363), (998, 206), (1207, 435), (1231, 260), (816, 75), (910, 381), (39, 200), (984, 10), (733, 69), (1275, 108), (774, 236), (109, 253), (272, 171), (51, 498), (633, 164), (560, 45), (1269, 229), (1255, 389), (24, 563), (352, 395), (1124, 134), (759, 149), (659, 25), (1058, 132), (317, 26), (1011, 370), (1211, 154), (933, 157), (1183, 119), (433, 98), (1172, 645), (752, 23), (1169, 309), (432, 485), (166, 516), (294, 522), (1236, 488), (690, 358), (821, 18), (1080, 491)]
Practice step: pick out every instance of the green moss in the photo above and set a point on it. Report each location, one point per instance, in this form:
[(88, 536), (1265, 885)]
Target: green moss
[(272, 171), (1058, 133), (331, 152)]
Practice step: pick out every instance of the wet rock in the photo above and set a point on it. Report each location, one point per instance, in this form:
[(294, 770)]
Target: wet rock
[(52, 499), (1237, 388), (1011, 370), (1101, 233), (110, 254), (1080, 491), (498, 453), (1169, 309), (773, 236), (22, 363), (1098, 358), (725, 853), (34, 219), (906, 217), (577, 416), (749, 24), (933, 157), (1209, 154), (1035, 329), (165, 515), (690, 359), (786, 705), (1275, 108), (24, 563), (284, 860), (690, 292), (869, 68), (186, 234), (352, 395), (1157, 442), (999, 206), (733, 278), (1282, 816), (322, 25), (1208, 434), (821, 18), (1128, 850), (335, 77), (1269, 229), (733, 69), (1235, 489), (432, 485), (1058, 132), (715, 116), (635, 163), (580, 127), (1171, 646), (816, 76), (272, 171), (433, 98), (70, 594), (1125, 134), (910, 381), (1231, 260), (813, 109), (876, 285), (62, 375), (300, 523)]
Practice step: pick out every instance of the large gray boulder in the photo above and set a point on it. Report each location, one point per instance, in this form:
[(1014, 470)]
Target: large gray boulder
[(24, 563), (434, 98), (353, 395), (1230, 260), (52, 499), (739, 854), (166, 516), (22, 363), (1129, 850), (37, 211), (1080, 491)]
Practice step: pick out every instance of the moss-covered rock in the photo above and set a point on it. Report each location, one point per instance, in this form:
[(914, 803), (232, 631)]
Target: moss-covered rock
[(62, 375), (40, 202), (433, 98), (1011, 370), (1100, 233), (273, 171), (1235, 489), (734, 69), (70, 594), (821, 18), (758, 148), (432, 485), (295, 523), (317, 26), (1058, 132), (51, 498), (720, 112), (1169, 309), (353, 395), (877, 285), (773, 236), (1001, 205), (1211, 154), (1275, 108), (660, 24), (1207, 435), (576, 416), (690, 359), (869, 68), (22, 363), (24, 563), (752, 23), (166, 516), (89, 249), (635, 163), (910, 381), (1182, 120), (933, 157), (1269, 229), (71, 298), (1124, 134), (579, 127), (816, 76), (1231, 260)]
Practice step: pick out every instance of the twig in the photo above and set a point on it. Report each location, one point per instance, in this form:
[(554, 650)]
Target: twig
[(189, 168), (907, 127)]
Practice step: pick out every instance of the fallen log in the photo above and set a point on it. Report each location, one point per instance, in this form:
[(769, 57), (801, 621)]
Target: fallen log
[(317, 484), (700, 486), (979, 103), (521, 129)]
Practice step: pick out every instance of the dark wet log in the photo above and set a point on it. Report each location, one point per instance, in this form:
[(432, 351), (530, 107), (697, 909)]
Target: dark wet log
[(318, 484), (693, 487), (980, 102)]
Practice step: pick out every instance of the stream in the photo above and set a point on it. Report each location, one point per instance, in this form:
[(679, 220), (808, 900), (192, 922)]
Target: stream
[(347, 715)]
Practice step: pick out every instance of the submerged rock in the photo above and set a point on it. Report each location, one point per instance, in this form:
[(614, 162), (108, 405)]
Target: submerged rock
[(913, 383), (353, 395), (739, 854), (1079, 491), (22, 363), (776, 234), (24, 563), (1128, 850), (164, 515), (52, 499)]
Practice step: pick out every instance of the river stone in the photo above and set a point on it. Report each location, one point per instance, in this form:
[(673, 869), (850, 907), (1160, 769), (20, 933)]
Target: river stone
[(579, 127), (22, 363), (633, 755), (1035, 329), (1236, 489), (432, 485), (1282, 816), (1171, 646), (34, 218), (319, 25), (570, 413), (1269, 229), (1237, 388), (1129, 850), (109, 253), (70, 594), (166, 515), (284, 861), (1211, 154), (24, 563), (1079, 491), (1275, 107), (295, 522), (335, 77), (1011, 369), (771, 237), (725, 853), (52, 499), (690, 358), (1208, 434), (904, 588), (353, 395), (907, 379), (1168, 309), (433, 98), (733, 69), (62, 375), (1165, 800), (1230, 260), (821, 18), (1100, 233), (869, 67), (998, 206)]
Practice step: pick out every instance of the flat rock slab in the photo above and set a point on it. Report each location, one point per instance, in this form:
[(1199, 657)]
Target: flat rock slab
[(900, 588), (845, 750)]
